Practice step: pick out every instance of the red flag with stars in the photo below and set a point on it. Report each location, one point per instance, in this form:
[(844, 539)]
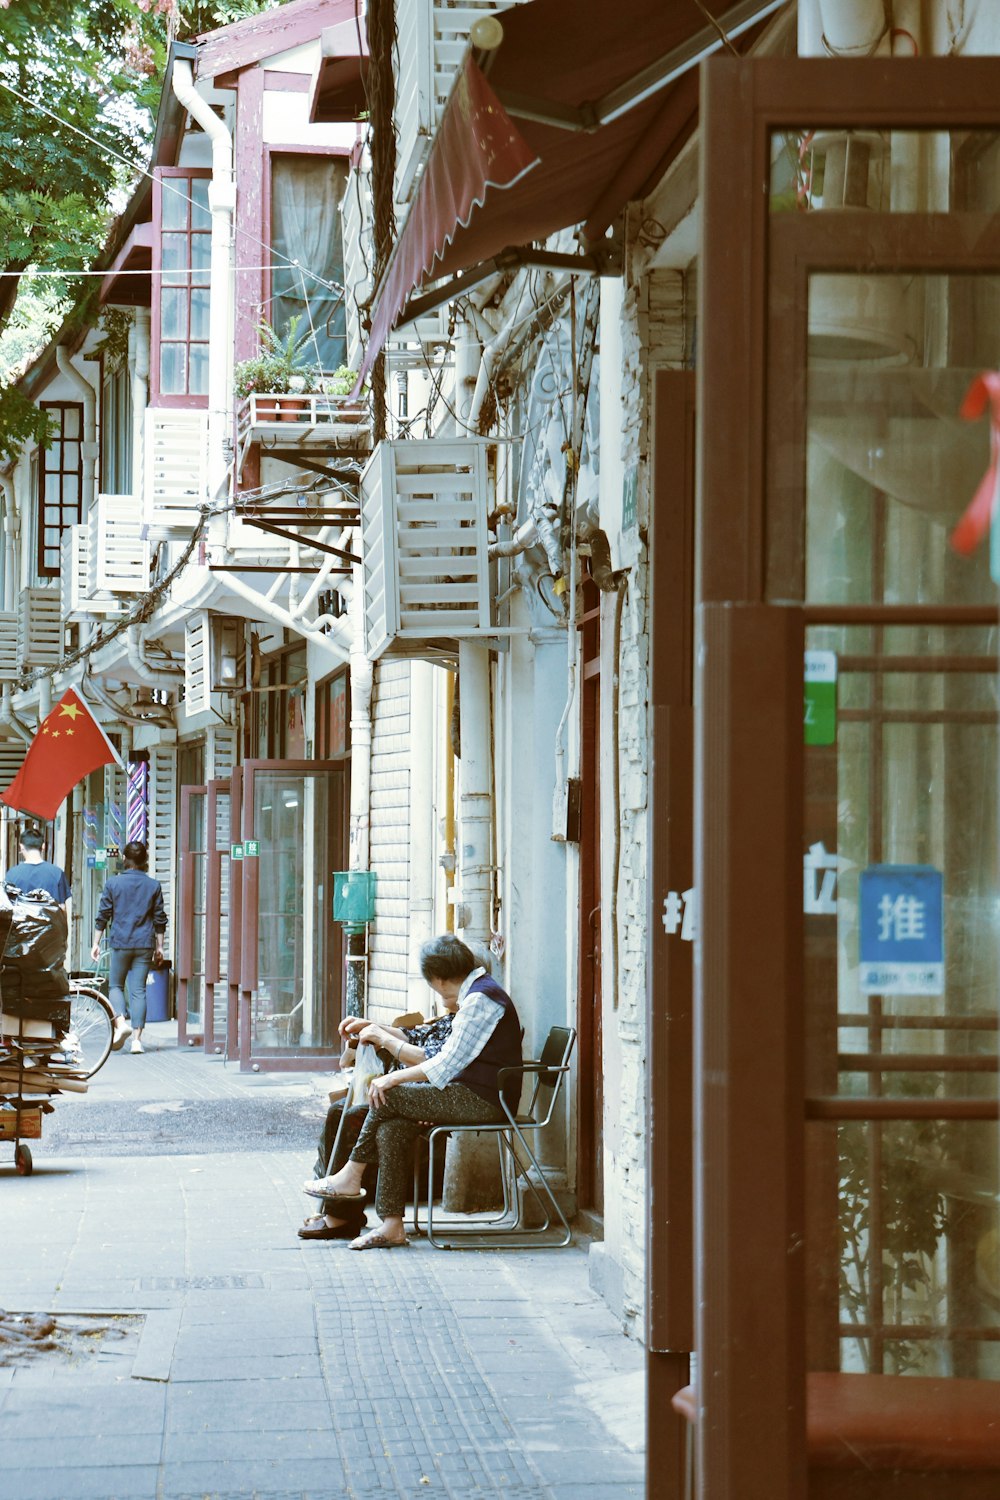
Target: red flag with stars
[(69, 744)]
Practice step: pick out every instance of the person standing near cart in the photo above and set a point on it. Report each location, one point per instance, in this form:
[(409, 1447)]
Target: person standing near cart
[(131, 906), (35, 873)]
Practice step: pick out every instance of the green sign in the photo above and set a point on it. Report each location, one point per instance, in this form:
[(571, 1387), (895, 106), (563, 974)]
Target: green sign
[(236, 851), (821, 698), (251, 848), (629, 488)]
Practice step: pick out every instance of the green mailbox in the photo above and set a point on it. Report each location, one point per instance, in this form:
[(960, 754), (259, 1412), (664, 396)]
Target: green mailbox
[(354, 898)]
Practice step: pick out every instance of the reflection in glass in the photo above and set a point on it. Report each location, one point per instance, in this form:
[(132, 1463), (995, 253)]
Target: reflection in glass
[(291, 819)]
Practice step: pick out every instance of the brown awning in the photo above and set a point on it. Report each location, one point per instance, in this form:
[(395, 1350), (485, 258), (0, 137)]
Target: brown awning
[(338, 92), (128, 279), (585, 104)]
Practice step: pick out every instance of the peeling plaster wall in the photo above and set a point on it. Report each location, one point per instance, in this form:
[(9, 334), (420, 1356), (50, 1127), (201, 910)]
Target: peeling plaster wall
[(650, 334)]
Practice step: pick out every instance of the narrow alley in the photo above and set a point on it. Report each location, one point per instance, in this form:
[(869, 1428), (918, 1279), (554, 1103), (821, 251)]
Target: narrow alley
[(203, 1350)]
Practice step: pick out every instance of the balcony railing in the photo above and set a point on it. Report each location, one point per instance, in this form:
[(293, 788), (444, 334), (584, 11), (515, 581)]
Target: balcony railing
[(288, 420)]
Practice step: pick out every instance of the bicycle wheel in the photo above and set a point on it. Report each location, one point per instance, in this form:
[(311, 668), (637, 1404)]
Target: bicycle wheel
[(91, 1029)]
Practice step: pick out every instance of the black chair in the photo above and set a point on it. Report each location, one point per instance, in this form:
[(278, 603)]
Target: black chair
[(507, 1230)]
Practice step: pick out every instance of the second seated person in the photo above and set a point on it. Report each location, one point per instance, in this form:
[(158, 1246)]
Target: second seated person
[(132, 905), (456, 1087)]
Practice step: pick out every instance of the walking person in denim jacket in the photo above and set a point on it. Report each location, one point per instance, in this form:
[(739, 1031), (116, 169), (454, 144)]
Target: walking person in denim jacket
[(132, 904)]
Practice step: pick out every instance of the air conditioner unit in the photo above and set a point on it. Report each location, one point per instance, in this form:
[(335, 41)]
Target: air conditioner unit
[(119, 557), (8, 647), (175, 472), (73, 571), (40, 628), (424, 505)]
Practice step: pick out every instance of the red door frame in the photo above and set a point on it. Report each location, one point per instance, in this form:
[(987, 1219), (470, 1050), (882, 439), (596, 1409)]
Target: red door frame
[(215, 855), (185, 944)]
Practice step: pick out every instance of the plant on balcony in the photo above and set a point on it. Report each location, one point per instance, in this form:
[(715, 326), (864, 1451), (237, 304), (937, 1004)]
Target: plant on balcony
[(281, 361), (341, 382)]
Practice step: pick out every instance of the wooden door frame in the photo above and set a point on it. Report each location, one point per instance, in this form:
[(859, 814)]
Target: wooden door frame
[(186, 889), (749, 1103)]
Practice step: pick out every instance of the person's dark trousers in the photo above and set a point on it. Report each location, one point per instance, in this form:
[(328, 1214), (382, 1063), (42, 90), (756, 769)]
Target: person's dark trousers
[(352, 1129), (388, 1133)]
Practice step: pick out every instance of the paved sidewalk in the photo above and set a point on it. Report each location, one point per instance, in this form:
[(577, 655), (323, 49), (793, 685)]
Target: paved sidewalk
[(248, 1363)]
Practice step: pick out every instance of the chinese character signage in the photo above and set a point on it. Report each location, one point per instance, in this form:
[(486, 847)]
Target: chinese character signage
[(902, 930)]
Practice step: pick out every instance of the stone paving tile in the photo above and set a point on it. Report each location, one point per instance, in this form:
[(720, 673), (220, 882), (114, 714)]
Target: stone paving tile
[(86, 1484), (82, 1451)]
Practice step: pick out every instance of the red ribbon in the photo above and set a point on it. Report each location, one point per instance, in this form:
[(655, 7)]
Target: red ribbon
[(975, 522)]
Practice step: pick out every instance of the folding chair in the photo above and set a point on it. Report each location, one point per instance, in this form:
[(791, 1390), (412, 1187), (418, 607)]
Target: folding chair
[(512, 1134)]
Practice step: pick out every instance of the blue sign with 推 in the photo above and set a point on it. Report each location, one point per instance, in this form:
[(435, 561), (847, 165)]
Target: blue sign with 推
[(902, 930)]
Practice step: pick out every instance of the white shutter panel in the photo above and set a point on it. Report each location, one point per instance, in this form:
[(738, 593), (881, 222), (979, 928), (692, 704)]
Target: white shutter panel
[(120, 557), (425, 562), (197, 663), (175, 478), (40, 628), (8, 646), (162, 822)]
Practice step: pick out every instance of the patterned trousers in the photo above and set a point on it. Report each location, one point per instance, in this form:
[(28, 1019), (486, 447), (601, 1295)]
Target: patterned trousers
[(388, 1133)]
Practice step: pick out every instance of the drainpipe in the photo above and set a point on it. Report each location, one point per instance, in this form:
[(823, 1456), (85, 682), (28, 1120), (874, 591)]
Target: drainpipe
[(475, 874), (9, 717), (281, 616), (222, 203), (88, 447), (147, 673), (139, 349), (854, 28), (362, 676), (11, 532)]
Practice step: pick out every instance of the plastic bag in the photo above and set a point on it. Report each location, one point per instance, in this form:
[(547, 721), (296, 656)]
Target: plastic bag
[(366, 1067), (35, 950)]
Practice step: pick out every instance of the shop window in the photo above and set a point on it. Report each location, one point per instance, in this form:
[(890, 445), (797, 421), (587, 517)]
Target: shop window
[(116, 432), (182, 252), (306, 191), (60, 483), (275, 727), (333, 717)]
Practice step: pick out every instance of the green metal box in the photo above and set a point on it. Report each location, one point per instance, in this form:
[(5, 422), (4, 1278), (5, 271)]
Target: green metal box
[(354, 897)]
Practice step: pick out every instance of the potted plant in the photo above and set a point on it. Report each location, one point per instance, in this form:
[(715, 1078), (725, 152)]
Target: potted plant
[(339, 388), (281, 368)]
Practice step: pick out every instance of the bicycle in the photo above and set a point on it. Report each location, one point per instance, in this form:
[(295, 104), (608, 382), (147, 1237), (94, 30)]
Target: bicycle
[(91, 1027)]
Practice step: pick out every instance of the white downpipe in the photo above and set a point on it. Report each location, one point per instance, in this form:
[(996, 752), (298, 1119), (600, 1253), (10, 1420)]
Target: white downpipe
[(222, 203), (11, 532), (475, 801), (9, 717), (362, 678), (88, 448), (139, 351), (524, 537), (854, 28), (467, 363), (144, 670), (272, 611), (505, 344)]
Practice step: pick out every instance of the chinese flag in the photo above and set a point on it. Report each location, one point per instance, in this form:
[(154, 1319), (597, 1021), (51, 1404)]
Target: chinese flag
[(69, 744)]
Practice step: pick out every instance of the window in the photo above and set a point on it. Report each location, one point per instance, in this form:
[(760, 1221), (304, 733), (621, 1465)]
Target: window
[(60, 482), (116, 432), (182, 252), (306, 227)]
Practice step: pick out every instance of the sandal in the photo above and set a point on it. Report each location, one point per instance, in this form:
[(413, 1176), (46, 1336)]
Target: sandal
[(321, 1230), (317, 1189), (376, 1240)]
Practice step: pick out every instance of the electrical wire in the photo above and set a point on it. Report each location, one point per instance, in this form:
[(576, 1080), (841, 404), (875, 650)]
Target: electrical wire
[(165, 183)]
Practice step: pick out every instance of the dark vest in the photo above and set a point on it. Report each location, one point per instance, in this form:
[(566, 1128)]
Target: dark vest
[(503, 1050)]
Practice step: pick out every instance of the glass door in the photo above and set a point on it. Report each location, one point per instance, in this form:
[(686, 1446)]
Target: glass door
[(219, 902), (848, 946), (192, 923), (291, 965)]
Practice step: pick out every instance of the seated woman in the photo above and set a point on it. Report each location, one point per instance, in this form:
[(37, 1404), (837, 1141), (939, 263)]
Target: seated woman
[(457, 1087), (400, 1046)]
